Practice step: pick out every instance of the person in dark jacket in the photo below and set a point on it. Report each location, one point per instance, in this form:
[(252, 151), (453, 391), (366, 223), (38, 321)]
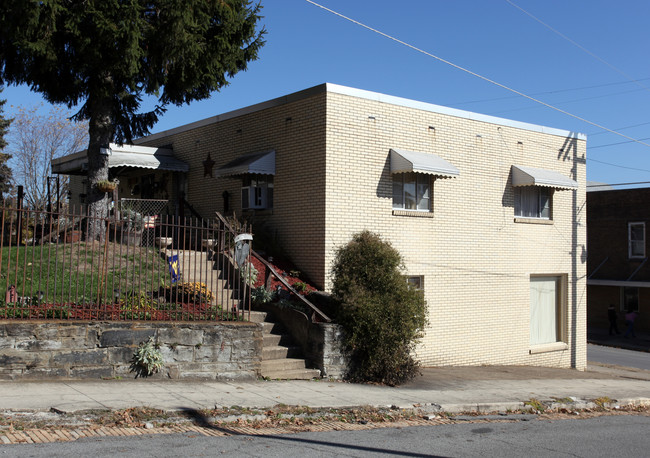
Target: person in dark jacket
[(613, 320)]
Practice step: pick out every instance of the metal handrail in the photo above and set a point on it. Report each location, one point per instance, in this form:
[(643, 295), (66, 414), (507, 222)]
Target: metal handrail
[(281, 279)]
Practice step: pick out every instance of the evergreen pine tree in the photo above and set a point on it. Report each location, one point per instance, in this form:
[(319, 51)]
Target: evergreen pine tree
[(5, 171), (104, 56)]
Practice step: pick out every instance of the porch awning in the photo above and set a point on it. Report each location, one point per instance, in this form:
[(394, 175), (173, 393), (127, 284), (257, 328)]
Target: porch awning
[(530, 176), (259, 163), (402, 161), (145, 157)]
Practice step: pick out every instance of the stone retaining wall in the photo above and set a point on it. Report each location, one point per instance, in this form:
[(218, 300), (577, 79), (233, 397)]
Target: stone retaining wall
[(78, 350)]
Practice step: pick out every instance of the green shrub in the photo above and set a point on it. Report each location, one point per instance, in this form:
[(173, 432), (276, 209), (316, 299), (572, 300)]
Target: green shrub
[(147, 359), (383, 318), (260, 295)]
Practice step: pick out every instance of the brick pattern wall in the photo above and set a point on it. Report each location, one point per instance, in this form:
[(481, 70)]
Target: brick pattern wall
[(333, 179), (609, 213), (476, 260), (296, 132)]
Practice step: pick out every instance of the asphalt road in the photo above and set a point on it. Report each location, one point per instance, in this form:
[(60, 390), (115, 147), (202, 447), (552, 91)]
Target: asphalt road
[(606, 436), (618, 357)]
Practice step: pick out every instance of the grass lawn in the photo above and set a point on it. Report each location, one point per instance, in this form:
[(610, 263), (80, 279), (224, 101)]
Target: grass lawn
[(81, 272)]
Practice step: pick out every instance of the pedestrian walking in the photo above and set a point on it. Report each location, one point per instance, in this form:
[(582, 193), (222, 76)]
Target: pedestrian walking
[(613, 320), (630, 316)]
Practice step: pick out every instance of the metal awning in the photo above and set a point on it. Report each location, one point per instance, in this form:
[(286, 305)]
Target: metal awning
[(402, 161), (530, 176), (259, 163), (145, 157)]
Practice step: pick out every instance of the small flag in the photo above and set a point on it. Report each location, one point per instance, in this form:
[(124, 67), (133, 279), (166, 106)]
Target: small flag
[(174, 270)]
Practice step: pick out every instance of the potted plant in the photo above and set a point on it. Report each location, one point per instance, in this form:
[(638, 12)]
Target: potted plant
[(106, 185)]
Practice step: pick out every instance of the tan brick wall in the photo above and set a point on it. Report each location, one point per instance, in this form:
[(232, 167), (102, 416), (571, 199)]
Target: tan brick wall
[(333, 180), (296, 131), (476, 260)]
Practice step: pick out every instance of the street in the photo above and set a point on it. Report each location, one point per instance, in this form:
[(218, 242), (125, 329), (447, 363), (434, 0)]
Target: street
[(603, 436), (617, 356)]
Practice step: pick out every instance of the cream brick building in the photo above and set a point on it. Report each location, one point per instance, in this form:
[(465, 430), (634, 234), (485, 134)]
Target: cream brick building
[(488, 213)]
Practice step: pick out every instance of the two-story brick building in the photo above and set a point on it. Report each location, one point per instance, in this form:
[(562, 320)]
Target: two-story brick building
[(487, 212), (618, 269)]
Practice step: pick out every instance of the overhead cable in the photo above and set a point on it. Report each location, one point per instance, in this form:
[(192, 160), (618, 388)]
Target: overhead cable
[(616, 69), (475, 74)]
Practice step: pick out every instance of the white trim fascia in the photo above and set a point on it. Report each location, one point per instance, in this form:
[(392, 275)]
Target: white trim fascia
[(425, 106), (368, 95)]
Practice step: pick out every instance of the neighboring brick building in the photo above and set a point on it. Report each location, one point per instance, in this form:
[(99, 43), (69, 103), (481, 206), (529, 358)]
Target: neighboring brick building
[(488, 213), (617, 268)]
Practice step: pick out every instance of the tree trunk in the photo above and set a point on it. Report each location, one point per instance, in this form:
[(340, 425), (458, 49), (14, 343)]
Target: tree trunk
[(100, 131)]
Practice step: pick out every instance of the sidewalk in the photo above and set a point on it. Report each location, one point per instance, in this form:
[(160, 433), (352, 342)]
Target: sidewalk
[(447, 389), (600, 336)]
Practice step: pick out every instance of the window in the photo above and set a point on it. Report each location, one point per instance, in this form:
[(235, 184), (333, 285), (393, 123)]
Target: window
[(415, 282), (636, 240), (629, 298), (546, 310), (257, 192), (533, 202), (411, 191)]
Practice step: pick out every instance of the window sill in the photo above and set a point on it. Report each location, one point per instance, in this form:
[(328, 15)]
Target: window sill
[(533, 220), (413, 213), (546, 348), (258, 212)]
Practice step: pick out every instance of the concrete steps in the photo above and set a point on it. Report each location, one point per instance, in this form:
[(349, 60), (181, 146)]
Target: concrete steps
[(281, 358)]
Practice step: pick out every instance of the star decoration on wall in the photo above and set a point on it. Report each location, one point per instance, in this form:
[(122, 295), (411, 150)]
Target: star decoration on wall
[(207, 166)]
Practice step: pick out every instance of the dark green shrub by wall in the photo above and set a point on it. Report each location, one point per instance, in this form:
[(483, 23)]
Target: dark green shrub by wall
[(383, 318)]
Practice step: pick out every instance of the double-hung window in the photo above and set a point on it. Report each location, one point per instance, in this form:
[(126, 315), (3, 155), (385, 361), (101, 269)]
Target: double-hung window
[(412, 191), (629, 298), (546, 309), (533, 202), (257, 192), (636, 240)]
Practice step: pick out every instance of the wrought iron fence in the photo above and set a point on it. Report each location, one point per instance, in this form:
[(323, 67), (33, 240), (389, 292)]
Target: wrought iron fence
[(163, 269)]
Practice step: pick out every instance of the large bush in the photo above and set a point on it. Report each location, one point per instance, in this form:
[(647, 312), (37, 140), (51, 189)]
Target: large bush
[(383, 318)]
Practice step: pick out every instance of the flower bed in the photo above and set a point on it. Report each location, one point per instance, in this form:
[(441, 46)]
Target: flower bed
[(284, 269)]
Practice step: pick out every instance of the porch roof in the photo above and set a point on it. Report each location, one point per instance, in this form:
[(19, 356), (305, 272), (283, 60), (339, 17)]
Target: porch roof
[(259, 163), (402, 161), (145, 157), (530, 176)]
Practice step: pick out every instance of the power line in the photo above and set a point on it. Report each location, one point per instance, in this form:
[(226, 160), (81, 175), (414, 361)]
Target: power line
[(621, 128), (614, 144), (616, 184), (474, 73), (616, 69), (556, 91), (618, 166), (574, 100)]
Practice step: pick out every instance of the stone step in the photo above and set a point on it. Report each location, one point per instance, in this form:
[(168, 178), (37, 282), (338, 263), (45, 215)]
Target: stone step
[(270, 327), (284, 364), (273, 340), (293, 374), (280, 352), (258, 317)]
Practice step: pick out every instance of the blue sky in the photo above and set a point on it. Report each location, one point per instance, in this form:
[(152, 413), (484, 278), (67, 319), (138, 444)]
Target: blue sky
[(609, 85)]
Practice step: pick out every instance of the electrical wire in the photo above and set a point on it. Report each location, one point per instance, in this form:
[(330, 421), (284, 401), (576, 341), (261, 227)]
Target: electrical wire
[(572, 100), (614, 144), (616, 69), (616, 184), (557, 91), (620, 128), (458, 67), (618, 166)]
